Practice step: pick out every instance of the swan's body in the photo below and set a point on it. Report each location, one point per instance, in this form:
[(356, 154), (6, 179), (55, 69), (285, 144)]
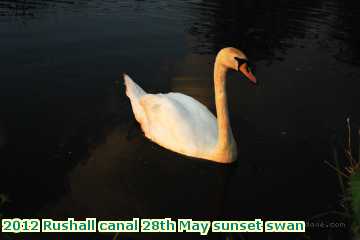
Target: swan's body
[(182, 124), (167, 119)]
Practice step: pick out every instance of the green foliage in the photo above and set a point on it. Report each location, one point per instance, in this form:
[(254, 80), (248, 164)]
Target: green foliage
[(355, 200), (3, 199)]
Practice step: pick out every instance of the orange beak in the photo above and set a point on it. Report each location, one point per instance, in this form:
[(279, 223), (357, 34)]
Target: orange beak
[(247, 73)]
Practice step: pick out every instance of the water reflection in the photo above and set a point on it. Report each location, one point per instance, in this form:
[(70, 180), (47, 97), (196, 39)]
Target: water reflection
[(124, 167), (196, 82), (27, 8), (267, 29), (135, 178)]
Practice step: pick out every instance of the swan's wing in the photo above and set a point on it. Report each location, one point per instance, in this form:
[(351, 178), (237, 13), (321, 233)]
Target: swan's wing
[(135, 93), (180, 123)]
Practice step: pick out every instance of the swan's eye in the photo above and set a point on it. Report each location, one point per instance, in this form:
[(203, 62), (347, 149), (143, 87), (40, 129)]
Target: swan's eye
[(240, 62)]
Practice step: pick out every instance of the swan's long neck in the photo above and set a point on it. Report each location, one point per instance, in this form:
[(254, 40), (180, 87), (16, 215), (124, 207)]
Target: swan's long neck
[(224, 129)]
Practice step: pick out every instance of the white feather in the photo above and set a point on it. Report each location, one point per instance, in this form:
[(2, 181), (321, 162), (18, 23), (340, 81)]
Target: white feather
[(173, 120), (184, 125)]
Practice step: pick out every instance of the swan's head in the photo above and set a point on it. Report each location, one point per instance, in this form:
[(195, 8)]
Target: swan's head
[(235, 59)]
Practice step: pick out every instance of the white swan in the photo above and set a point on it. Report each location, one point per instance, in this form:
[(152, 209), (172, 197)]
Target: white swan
[(184, 125)]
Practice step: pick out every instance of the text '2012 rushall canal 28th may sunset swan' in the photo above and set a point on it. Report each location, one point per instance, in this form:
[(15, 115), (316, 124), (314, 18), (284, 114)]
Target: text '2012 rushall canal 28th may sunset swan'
[(17, 225)]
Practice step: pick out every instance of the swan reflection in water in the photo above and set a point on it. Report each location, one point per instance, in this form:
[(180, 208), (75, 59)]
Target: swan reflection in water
[(134, 177)]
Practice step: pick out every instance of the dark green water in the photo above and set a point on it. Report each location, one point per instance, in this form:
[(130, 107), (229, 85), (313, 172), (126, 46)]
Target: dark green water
[(69, 144)]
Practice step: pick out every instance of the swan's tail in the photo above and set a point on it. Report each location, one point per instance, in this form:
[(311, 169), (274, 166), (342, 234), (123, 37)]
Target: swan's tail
[(135, 92), (132, 89)]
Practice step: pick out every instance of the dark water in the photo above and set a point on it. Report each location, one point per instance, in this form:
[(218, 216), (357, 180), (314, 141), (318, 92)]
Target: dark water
[(69, 144)]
